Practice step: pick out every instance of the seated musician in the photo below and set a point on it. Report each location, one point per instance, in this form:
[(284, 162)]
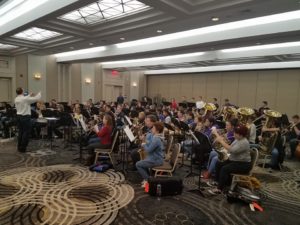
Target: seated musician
[(188, 144), (213, 155), (167, 116), (146, 134), (252, 131), (277, 151), (105, 135), (154, 148), (294, 135), (239, 159), (263, 107), (208, 123), (190, 119), (181, 116)]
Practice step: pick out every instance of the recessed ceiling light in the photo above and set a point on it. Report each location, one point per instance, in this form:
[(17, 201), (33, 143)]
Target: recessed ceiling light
[(122, 39), (215, 19), (91, 43), (258, 43), (71, 47), (36, 34), (159, 31)]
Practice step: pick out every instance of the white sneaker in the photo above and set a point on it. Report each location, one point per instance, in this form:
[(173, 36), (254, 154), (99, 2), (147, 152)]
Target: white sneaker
[(143, 184)]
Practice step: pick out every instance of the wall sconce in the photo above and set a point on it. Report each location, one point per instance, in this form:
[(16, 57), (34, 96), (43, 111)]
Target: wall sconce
[(134, 84), (88, 80), (37, 76)]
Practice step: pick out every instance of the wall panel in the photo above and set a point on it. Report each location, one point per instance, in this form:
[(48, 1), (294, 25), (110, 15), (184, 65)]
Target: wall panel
[(213, 86), (247, 88), (281, 88)]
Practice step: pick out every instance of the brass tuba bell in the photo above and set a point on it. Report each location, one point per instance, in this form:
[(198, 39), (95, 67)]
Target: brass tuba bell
[(229, 112), (209, 107), (271, 116), (243, 115)]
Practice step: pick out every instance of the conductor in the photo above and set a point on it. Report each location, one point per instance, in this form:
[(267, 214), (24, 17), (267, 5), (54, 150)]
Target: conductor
[(22, 104)]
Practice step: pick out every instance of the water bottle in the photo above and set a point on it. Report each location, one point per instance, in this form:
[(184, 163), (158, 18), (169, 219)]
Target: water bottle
[(158, 191)]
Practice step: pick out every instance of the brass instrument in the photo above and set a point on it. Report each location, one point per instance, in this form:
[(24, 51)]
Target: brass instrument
[(243, 115), (271, 116), (218, 147), (269, 138), (229, 112), (209, 107), (289, 128)]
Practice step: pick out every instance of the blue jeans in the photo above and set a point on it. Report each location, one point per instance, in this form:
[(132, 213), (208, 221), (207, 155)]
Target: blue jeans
[(143, 167), (93, 140), (187, 146), (212, 161), (274, 157)]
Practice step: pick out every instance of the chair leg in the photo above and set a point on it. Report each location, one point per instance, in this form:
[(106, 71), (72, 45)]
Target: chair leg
[(112, 162), (96, 158), (155, 173)]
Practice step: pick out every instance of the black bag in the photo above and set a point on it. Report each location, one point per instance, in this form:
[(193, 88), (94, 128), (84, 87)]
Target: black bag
[(169, 186)]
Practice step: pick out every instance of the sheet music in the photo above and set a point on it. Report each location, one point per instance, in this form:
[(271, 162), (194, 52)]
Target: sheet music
[(82, 123), (129, 133), (128, 120)]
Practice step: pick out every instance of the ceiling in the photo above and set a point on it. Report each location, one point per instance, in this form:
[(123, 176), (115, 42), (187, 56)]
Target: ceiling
[(168, 16)]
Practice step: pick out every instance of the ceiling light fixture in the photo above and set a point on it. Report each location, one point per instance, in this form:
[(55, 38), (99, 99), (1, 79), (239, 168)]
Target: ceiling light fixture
[(155, 58), (11, 4), (261, 47), (91, 43), (216, 28), (159, 31), (36, 34), (7, 47), (19, 10), (215, 19), (82, 51), (122, 39)]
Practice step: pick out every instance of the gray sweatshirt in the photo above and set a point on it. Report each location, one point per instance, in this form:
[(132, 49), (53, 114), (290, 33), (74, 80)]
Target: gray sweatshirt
[(240, 151)]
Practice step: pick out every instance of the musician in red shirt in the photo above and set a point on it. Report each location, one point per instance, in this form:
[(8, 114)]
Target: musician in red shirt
[(174, 104), (105, 136)]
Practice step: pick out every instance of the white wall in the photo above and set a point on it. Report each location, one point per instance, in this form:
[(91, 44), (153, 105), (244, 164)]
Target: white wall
[(37, 64), (87, 89)]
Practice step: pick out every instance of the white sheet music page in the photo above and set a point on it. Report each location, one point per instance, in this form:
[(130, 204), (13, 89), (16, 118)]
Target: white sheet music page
[(128, 120), (129, 133)]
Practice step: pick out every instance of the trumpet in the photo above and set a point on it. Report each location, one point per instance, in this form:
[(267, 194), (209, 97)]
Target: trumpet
[(222, 153)]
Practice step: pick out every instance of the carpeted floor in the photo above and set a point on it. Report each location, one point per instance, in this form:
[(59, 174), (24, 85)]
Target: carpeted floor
[(46, 186)]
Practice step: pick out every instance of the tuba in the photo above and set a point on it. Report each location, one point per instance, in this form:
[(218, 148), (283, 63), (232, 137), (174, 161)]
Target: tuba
[(209, 107), (229, 112), (243, 115), (268, 138), (271, 117)]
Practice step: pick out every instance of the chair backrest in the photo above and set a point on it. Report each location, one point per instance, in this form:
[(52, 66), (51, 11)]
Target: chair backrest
[(254, 157), (174, 156), (169, 144), (114, 140)]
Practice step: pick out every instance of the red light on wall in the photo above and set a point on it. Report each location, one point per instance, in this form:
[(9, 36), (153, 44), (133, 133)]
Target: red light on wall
[(114, 72)]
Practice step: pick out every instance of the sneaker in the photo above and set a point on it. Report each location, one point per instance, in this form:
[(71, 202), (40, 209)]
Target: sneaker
[(143, 184), (214, 191), (212, 183), (206, 175)]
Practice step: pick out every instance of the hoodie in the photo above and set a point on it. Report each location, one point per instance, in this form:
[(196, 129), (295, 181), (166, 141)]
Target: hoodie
[(155, 149)]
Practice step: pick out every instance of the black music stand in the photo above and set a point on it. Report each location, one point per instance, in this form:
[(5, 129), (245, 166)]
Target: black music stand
[(166, 103), (169, 127), (191, 104), (183, 105), (49, 115), (203, 140)]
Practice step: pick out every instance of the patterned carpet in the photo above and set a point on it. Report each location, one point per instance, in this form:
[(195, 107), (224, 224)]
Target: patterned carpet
[(47, 186)]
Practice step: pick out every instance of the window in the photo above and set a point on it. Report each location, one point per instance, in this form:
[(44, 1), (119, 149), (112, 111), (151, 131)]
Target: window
[(104, 10), (36, 34)]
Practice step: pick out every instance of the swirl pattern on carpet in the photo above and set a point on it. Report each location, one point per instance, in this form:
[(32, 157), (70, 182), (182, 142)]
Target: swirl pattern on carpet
[(61, 194)]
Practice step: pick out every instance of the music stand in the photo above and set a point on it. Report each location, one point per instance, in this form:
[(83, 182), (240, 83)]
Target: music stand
[(182, 104), (203, 139), (191, 105), (169, 127), (48, 114), (166, 103)]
